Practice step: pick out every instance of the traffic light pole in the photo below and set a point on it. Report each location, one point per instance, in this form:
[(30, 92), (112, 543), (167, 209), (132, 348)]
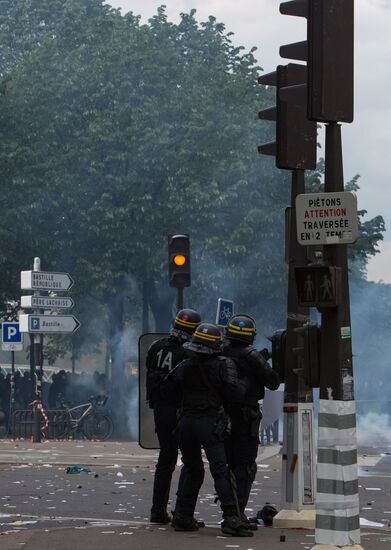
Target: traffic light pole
[(179, 299), (337, 502), (298, 464)]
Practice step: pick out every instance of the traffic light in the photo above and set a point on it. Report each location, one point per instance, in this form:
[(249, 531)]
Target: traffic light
[(308, 354), (278, 340), (318, 286), (329, 51), (295, 146), (179, 260)]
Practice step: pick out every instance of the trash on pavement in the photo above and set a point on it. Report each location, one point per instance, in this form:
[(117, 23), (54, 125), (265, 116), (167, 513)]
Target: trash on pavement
[(78, 469)]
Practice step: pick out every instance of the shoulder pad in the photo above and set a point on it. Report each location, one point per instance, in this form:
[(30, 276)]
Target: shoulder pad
[(248, 350)]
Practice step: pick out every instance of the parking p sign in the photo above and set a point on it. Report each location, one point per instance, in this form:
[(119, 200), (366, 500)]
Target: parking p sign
[(11, 337)]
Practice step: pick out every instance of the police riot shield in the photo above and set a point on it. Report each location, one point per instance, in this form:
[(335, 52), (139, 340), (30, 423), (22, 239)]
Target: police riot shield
[(146, 434)]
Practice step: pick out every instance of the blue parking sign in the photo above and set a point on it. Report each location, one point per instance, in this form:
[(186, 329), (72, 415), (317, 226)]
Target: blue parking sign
[(225, 310), (11, 334), (11, 337)]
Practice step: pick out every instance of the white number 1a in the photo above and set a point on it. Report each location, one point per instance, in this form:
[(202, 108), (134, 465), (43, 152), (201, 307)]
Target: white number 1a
[(167, 360)]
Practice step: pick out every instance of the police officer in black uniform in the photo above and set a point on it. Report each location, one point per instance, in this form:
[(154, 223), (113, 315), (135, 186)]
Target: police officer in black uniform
[(254, 370), (162, 357), (206, 381)]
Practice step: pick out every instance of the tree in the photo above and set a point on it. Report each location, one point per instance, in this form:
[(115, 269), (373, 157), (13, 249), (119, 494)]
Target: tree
[(115, 134)]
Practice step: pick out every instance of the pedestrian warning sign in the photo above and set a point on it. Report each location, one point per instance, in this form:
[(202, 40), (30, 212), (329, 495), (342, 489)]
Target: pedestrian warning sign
[(326, 218)]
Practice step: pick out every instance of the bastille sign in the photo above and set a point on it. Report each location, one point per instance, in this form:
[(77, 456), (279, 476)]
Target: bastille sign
[(326, 218), (45, 280)]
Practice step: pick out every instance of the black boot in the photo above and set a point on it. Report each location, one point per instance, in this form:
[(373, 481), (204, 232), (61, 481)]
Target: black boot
[(184, 523), (247, 524), (232, 525), (198, 522), (159, 515)]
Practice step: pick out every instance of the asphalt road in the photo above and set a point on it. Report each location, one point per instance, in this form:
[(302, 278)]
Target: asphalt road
[(43, 507)]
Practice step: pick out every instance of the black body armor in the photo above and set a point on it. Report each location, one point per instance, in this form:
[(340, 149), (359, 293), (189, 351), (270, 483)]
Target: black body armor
[(163, 356)]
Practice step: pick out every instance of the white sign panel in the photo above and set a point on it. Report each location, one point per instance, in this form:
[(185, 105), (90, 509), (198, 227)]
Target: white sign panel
[(326, 218), (44, 324), (44, 280), (46, 302)]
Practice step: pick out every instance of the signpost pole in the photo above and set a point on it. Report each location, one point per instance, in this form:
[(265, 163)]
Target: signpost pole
[(12, 408), (36, 352)]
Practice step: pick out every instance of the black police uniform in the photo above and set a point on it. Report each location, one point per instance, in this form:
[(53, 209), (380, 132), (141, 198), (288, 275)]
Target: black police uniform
[(206, 382), (162, 357), (242, 444)]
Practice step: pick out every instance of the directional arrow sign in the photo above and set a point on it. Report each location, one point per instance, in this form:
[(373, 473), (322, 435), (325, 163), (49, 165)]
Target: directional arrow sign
[(44, 324), (45, 280), (46, 302)]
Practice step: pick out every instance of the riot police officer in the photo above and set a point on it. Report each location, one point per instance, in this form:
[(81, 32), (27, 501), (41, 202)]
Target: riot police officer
[(162, 357), (254, 370), (206, 381)]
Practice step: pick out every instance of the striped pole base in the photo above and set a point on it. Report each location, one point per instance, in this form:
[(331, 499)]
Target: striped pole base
[(337, 502)]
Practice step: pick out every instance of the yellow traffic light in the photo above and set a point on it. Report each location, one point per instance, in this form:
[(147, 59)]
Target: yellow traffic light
[(179, 259)]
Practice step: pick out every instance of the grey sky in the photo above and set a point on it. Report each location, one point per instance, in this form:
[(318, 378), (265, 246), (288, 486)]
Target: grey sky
[(366, 141)]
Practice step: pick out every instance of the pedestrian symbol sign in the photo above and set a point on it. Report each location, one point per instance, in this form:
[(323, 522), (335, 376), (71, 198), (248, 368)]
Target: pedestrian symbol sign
[(225, 311), (318, 286), (11, 337)]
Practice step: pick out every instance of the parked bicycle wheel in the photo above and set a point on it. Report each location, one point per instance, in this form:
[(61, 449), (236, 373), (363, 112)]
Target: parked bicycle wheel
[(98, 426)]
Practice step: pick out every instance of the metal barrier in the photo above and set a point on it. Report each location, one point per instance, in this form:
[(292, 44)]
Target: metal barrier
[(22, 424)]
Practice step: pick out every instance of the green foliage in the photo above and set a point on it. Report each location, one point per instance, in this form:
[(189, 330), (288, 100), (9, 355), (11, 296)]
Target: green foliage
[(114, 134), (370, 231)]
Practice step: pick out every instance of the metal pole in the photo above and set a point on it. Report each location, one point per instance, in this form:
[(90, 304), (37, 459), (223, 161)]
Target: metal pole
[(12, 396), (337, 503), (36, 351), (179, 299), (298, 475), (145, 320), (32, 368)]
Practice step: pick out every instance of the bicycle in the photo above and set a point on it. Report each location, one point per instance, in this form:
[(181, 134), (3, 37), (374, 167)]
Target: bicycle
[(84, 418)]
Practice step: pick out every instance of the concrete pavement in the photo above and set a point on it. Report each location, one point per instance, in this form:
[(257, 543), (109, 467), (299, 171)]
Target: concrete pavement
[(43, 507)]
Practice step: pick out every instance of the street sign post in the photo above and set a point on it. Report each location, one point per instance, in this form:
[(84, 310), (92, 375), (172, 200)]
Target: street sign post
[(45, 302), (225, 311), (11, 337), (48, 324), (326, 218), (45, 280)]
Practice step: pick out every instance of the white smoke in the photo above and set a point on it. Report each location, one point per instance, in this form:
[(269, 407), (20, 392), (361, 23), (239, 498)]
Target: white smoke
[(373, 430)]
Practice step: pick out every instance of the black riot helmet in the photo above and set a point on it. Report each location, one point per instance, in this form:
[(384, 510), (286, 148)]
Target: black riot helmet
[(185, 323), (206, 339), (241, 328)]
